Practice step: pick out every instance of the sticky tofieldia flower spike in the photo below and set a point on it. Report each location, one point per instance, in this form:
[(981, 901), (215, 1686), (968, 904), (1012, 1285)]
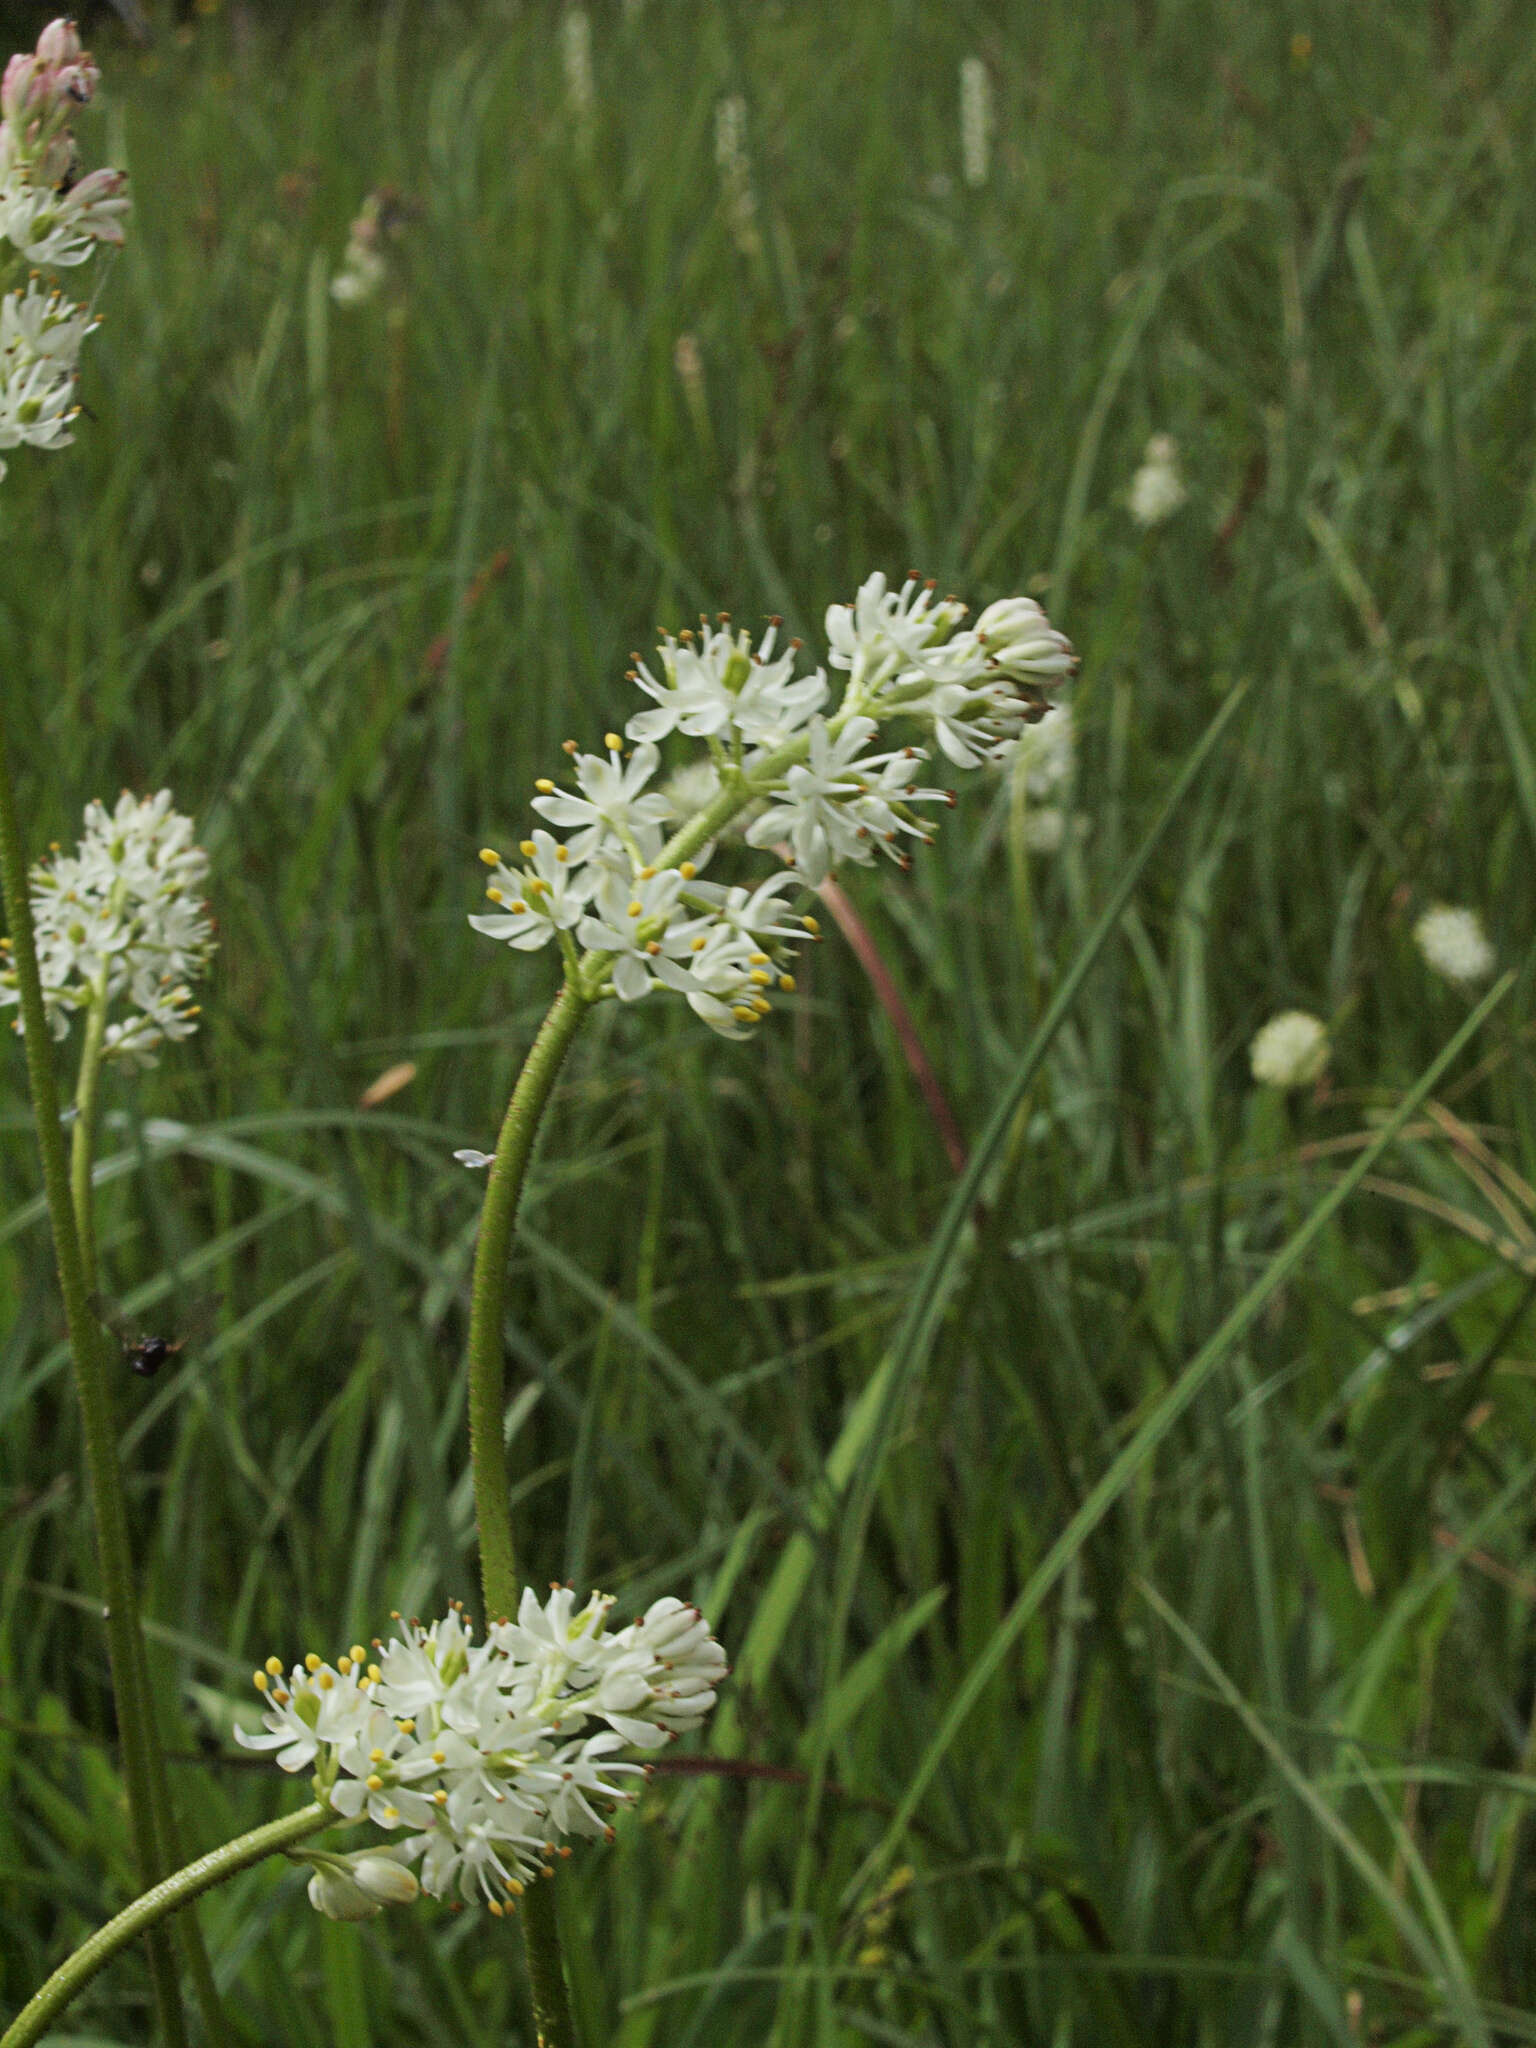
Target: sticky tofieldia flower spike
[(123, 919), (486, 1751), (54, 217), (781, 769)]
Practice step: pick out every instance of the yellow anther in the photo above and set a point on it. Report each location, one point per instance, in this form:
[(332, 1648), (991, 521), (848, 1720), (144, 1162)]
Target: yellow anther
[(687, 871), (636, 910), (490, 856), (494, 895), (612, 742), (439, 1756), (374, 1782), (357, 1653), (537, 886), (312, 1662), (496, 1909), (544, 786), (743, 1014), (811, 926), (375, 1674), (375, 1756), (439, 1797), (326, 1680), (274, 1665), (787, 983), (281, 1695), (759, 979), (343, 1665), (761, 1005), (697, 945), (527, 849), (562, 853), (519, 908), (514, 1888), (260, 1680), (758, 959), (391, 1813), (647, 874)]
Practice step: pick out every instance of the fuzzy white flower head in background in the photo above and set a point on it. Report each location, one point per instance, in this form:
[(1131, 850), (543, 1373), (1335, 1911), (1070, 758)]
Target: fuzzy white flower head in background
[(1454, 943), (1157, 488), (1290, 1051)]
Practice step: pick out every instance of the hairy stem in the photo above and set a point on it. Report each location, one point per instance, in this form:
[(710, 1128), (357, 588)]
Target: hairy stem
[(104, 1476), (146, 1913), (82, 1143)]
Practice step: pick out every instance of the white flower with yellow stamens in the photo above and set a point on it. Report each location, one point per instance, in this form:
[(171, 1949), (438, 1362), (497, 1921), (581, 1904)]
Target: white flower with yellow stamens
[(537, 901), (634, 920), (614, 804)]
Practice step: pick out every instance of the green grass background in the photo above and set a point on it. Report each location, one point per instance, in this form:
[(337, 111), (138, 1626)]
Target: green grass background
[(1254, 1766)]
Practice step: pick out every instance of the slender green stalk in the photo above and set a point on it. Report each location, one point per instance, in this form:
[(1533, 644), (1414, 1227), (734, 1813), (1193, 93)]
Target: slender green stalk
[(487, 1310), (120, 1612), (146, 1913), (168, 1850), (82, 1143)]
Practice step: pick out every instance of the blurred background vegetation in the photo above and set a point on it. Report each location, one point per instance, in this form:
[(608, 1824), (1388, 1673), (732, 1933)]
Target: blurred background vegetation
[(344, 577)]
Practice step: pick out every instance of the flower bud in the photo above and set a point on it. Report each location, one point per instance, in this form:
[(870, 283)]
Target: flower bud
[(333, 1892), (382, 1878)]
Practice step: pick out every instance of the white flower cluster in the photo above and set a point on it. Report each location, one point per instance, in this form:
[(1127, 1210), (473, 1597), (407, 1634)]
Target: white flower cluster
[(484, 1751), (122, 918), (1454, 944), (1290, 1051), (52, 217), (803, 778)]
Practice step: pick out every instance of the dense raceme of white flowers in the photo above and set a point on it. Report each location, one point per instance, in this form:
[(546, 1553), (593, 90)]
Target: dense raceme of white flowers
[(121, 920), (53, 218), (484, 1755), (818, 782)]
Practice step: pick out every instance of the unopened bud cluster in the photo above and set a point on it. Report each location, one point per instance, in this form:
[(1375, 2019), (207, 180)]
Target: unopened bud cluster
[(121, 920), (484, 1754), (820, 784), (53, 218)]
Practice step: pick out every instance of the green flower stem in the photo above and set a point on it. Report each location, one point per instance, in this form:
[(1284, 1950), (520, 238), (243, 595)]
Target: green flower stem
[(168, 1850), (144, 1916), (82, 1143), (120, 1613)]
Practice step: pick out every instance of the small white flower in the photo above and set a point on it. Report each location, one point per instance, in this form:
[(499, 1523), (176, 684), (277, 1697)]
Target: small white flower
[(1157, 489), (537, 901), (816, 812), (613, 807), (715, 683), (885, 632), (1454, 943), (1290, 1051), (633, 921), (356, 1887)]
